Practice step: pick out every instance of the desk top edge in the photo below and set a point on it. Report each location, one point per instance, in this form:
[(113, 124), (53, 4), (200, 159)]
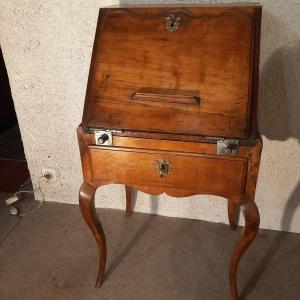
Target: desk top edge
[(179, 5)]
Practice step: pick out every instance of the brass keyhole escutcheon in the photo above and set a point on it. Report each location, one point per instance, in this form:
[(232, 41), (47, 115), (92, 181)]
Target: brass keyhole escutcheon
[(163, 167), (172, 23)]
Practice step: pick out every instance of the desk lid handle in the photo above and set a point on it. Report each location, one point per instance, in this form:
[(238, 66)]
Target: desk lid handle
[(167, 95)]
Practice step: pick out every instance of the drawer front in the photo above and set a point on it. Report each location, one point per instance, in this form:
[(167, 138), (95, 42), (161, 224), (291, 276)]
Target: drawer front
[(196, 173), (195, 79)]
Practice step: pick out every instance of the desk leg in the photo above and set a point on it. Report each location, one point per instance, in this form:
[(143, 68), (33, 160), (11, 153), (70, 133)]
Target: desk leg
[(128, 200), (232, 211), (87, 207), (251, 215)]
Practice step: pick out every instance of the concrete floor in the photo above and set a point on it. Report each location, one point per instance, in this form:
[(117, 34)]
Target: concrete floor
[(51, 254)]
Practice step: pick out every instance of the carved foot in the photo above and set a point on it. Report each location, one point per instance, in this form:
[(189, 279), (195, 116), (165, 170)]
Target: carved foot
[(87, 207), (232, 214), (128, 201), (251, 215)]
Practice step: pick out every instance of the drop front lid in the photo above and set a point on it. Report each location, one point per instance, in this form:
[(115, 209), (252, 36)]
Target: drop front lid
[(189, 70)]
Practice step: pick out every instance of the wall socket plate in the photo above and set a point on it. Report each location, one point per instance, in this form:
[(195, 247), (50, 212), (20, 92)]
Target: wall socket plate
[(49, 175)]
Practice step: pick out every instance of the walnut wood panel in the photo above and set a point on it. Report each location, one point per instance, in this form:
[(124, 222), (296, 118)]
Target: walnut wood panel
[(211, 53), (190, 172), (168, 145), (165, 145), (84, 154)]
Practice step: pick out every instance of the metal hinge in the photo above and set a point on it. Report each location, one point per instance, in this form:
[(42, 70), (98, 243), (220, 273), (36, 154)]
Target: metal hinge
[(104, 137), (227, 146)]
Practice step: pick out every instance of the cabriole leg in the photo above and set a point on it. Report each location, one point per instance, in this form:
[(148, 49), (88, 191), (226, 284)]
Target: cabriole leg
[(128, 200), (251, 215), (232, 211), (87, 207)]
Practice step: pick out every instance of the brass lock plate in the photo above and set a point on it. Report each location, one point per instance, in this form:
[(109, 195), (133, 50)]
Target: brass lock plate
[(163, 167), (172, 23)]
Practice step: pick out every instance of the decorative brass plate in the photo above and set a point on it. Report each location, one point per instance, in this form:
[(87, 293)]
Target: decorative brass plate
[(163, 167), (172, 23)]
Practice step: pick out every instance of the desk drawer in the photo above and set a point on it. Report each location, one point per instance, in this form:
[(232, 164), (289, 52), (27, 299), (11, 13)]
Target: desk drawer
[(162, 170)]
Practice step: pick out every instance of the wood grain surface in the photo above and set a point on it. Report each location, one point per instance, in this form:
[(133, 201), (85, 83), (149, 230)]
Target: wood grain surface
[(211, 54)]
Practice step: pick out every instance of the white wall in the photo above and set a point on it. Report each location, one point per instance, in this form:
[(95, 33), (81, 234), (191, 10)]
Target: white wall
[(47, 47)]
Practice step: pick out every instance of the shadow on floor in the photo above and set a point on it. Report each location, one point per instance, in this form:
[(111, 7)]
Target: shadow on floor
[(137, 235)]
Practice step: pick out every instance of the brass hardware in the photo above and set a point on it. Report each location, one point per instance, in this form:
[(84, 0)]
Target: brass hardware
[(172, 23), (228, 147), (103, 137), (163, 167)]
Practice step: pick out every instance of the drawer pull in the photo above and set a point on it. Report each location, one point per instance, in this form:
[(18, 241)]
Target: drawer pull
[(163, 167)]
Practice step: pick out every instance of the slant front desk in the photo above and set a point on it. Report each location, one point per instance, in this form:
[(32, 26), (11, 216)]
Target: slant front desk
[(171, 108)]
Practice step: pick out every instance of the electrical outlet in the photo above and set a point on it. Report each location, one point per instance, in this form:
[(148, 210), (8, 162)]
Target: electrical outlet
[(49, 175)]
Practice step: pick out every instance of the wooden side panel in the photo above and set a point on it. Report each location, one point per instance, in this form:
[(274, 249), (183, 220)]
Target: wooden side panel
[(193, 172), (84, 155), (209, 57)]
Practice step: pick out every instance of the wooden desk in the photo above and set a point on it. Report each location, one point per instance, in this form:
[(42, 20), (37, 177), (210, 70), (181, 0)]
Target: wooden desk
[(171, 108)]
